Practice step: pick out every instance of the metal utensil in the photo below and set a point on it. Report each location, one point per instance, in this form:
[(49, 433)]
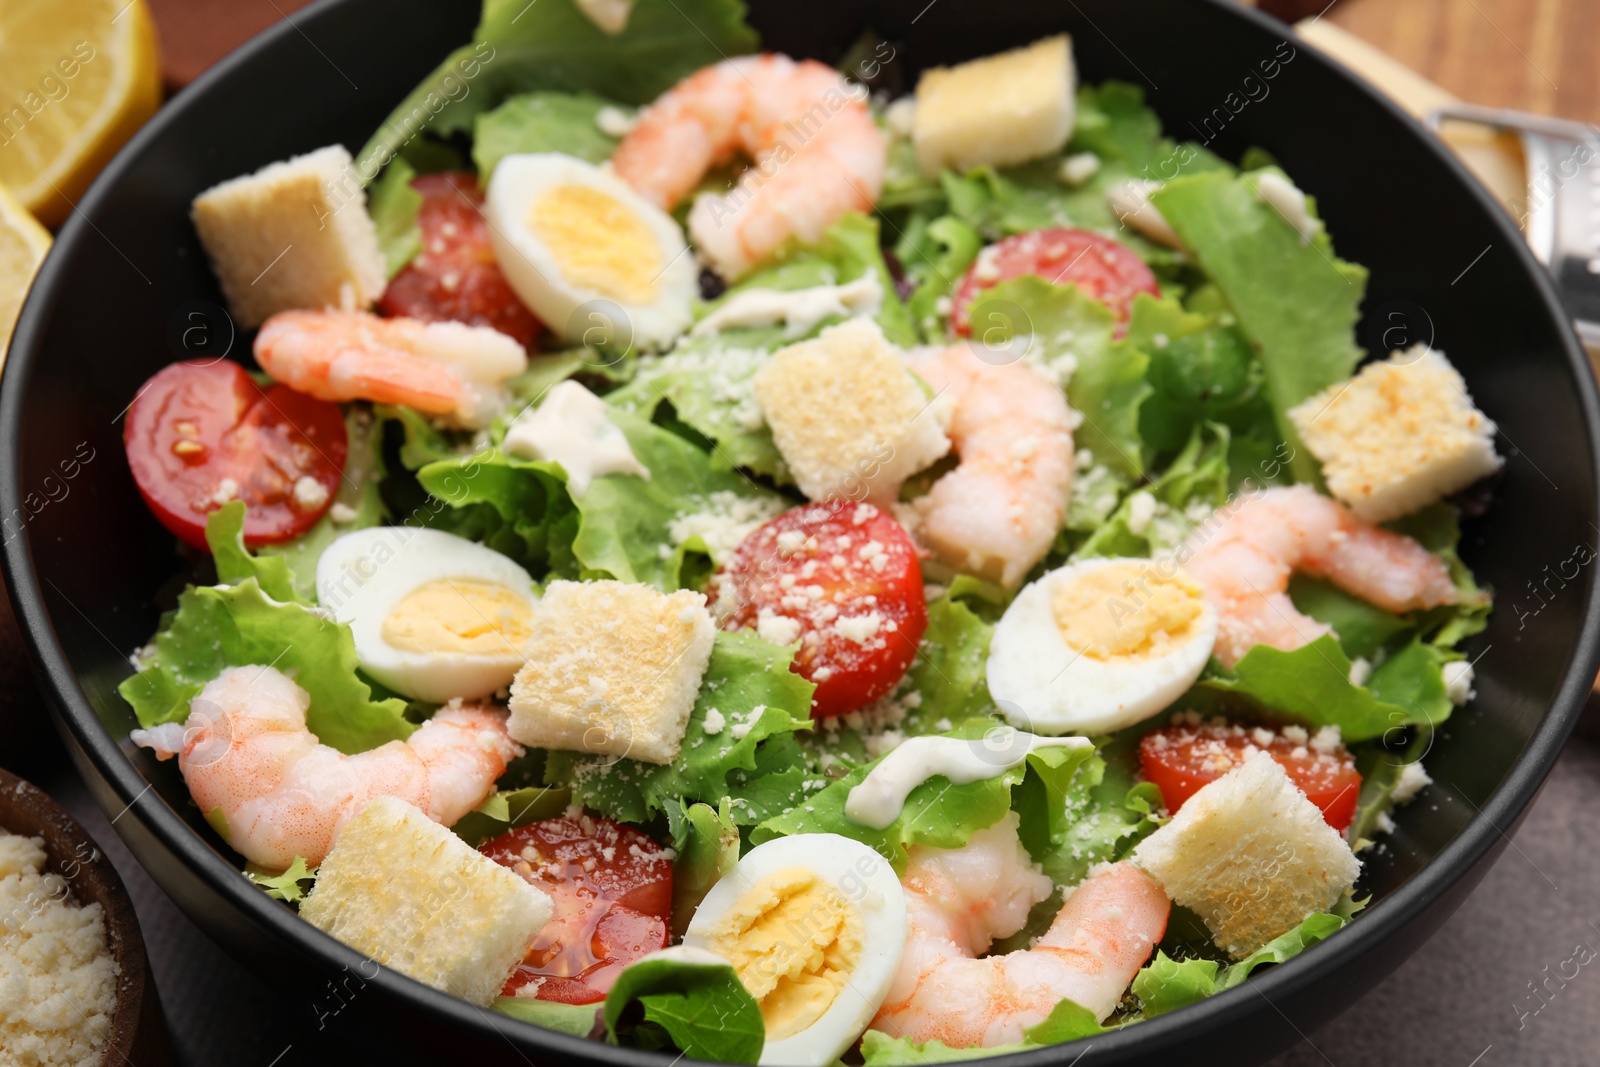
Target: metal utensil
[(1562, 220)]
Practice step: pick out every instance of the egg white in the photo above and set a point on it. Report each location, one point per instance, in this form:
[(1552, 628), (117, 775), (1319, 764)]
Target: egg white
[(576, 312), (363, 575), (1045, 685), (866, 880)]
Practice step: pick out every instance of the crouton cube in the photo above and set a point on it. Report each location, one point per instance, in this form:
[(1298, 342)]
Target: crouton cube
[(850, 420), (613, 668), (294, 234), (1002, 109), (1398, 436), (1250, 855), (410, 894)]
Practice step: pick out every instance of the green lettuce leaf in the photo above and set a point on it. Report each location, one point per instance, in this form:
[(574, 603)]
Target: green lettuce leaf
[(749, 684), (1106, 812), (1438, 529), (1363, 630), (215, 627), (707, 842), (1165, 984), (1281, 949), (847, 251), (1198, 476), (945, 814), (701, 1004), (579, 1020), (1381, 770), (540, 122), (393, 205), (285, 886), (526, 500), (509, 809), (617, 529), (1067, 1021), (936, 254), (707, 380), (1067, 329), (1200, 371), (225, 538), (1294, 300), (1311, 685), (521, 47)]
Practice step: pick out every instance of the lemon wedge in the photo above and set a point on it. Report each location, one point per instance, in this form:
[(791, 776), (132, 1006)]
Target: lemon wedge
[(23, 243), (77, 78)]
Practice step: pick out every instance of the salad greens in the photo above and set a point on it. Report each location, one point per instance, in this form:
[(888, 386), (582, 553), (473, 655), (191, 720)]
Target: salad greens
[(541, 122), (697, 1000), (216, 627), (743, 753), (707, 379), (620, 527), (945, 814), (523, 48), (1294, 300)]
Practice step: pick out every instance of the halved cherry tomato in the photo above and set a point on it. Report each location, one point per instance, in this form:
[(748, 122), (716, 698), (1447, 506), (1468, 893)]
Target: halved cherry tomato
[(202, 433), (1180, 759), (842, 579), (1109, 272), (612, 889), (455, 278)]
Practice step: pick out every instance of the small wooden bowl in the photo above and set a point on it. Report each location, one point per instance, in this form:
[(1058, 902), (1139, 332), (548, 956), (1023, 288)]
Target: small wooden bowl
[(138, 1029)]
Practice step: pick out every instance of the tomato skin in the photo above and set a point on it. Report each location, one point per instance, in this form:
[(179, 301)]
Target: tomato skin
[(1182, 758), (815, 565), (456, 278), (612, 889), (1110, 272), (195, 425)]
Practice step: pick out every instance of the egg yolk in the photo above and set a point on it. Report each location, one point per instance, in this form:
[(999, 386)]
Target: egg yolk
[(1127, 610), (464, 615), (794, 941), (598, 242)]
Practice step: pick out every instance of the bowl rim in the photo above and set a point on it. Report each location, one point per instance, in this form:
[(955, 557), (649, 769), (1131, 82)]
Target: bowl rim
[(1484, 834)]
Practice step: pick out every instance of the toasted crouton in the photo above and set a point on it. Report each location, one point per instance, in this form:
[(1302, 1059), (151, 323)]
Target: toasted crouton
[(1002, 109), (1398, 436), (850, 420), (613, 668), (407, 892), (1250, 855), (292, 235)]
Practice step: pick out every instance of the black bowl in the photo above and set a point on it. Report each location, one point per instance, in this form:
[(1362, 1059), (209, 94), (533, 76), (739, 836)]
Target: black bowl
[(89, 570)]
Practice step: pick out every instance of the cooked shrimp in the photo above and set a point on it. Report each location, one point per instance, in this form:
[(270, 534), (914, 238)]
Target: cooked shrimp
[(959, 900), (817, 154), (998, 512), (246, 753), (441, 368), (1244, 564)]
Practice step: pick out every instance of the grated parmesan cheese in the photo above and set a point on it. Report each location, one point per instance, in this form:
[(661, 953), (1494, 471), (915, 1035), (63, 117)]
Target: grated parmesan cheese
[(58, 982)]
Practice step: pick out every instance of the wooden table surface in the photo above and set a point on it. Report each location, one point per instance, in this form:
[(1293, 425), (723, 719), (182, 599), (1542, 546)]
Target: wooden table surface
[(1535, 55)]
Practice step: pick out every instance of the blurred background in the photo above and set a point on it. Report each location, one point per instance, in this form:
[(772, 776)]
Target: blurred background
[(1479, 994)]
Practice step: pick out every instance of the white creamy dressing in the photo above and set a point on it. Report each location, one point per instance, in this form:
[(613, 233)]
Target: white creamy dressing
[(1280, 194), (800, 310), (878, 801), (571, 428), (610, 15)]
